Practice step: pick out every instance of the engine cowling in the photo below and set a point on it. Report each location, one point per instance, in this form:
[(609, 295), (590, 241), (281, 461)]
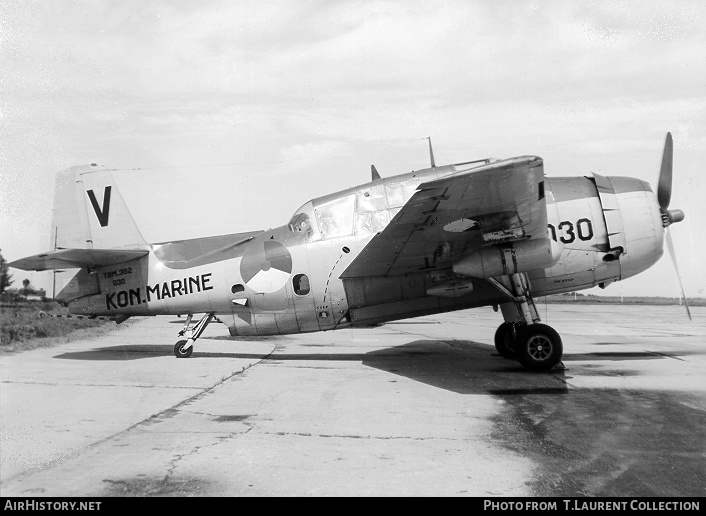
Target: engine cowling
[(641, 237)]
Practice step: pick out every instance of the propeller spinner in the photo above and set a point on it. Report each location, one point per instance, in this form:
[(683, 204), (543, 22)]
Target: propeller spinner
[(669, 217)]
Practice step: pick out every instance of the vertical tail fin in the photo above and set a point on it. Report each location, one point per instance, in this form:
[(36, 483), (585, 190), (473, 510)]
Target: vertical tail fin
[(90, 213)]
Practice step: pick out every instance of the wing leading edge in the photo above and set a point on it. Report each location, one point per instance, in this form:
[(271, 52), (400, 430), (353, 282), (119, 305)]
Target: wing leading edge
[(448, 218)]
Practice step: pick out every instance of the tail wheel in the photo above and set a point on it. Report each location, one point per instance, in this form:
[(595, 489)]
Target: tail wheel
[(180, 351), (539, 347), (505, 338)]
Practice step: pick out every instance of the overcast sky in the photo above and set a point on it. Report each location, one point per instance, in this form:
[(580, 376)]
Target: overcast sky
[(233, 114)]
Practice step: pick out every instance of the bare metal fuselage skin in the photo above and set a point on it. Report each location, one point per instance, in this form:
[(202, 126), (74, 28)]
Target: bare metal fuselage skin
[(287, 279)]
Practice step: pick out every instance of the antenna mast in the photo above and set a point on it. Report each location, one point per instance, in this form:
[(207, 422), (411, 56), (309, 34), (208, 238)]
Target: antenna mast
[(431, 152)]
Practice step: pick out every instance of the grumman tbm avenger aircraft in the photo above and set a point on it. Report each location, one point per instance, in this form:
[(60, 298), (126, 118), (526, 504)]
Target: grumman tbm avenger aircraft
[(445, 238)]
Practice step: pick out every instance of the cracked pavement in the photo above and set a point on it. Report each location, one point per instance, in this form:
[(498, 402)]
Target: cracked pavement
[(416, 408)]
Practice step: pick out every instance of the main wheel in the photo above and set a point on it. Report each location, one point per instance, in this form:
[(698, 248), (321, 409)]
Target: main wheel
[(505, 337), (539, 347), (180, 351)]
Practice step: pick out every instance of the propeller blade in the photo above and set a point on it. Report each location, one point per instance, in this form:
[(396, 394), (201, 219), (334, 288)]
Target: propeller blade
[(664, 188), (670, 245)]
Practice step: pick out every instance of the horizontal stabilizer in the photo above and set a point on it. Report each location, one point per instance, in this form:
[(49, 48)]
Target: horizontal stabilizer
[(77, 258)]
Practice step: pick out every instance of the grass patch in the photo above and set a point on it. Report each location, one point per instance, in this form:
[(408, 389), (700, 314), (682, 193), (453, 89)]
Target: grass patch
[(35, 324)]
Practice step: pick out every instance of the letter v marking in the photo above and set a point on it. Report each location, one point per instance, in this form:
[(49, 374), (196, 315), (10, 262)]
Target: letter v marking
[(102, 214)]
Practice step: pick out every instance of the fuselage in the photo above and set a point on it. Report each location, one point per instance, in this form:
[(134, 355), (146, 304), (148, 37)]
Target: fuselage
[(287, 279)]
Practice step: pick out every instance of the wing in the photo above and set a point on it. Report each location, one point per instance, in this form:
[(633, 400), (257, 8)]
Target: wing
[(449, 217), (76, 258)]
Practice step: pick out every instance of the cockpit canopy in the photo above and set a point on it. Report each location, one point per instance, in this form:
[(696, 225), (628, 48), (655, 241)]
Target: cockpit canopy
[(360, 211), (366, 209)]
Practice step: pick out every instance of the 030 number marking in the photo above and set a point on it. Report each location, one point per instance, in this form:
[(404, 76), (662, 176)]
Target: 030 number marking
[(583, 229)]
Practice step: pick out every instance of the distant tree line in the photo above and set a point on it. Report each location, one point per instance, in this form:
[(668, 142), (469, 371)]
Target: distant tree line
[(5, 276)]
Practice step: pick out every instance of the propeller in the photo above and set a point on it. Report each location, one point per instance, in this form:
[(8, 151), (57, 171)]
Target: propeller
[(669, 217)]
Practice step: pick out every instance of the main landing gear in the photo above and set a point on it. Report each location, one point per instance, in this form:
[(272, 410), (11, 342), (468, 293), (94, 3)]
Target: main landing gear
[(185, 347), (536, 346)]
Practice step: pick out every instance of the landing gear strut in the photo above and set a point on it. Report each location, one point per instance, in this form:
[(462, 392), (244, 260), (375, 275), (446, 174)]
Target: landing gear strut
[(185, 347), (538, 347)]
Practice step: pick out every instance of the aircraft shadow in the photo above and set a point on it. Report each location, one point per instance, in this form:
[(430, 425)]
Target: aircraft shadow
[(459, 366)]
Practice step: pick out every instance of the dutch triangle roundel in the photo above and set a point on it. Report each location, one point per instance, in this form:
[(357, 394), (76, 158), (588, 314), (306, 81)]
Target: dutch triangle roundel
[(266, 267)]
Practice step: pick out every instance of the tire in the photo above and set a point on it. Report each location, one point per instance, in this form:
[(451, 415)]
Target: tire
[(505, 338), (539, 347), (179, 350)]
